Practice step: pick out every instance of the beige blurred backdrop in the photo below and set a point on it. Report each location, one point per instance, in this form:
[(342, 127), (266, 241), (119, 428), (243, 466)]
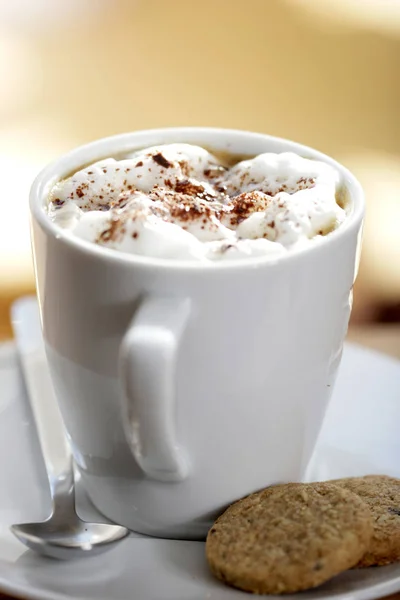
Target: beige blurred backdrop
[(323, 73)]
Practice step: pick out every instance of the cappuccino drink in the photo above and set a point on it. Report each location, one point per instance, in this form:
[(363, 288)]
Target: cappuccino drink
[(179, 201)]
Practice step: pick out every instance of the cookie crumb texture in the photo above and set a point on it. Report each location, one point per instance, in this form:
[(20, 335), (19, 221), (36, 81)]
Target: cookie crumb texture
[(382, 496), (289, 538)]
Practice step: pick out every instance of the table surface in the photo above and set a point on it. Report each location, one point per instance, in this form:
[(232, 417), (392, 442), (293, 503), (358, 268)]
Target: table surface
[(384, 338)]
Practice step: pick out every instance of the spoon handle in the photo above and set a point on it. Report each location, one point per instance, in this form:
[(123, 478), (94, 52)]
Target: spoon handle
[(55, 449)]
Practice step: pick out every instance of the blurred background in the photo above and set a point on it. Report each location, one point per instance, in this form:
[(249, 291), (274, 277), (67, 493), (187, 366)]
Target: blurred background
[(323, 73)]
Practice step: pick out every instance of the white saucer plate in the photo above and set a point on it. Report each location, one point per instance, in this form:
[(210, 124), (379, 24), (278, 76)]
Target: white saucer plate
[(360, 436)]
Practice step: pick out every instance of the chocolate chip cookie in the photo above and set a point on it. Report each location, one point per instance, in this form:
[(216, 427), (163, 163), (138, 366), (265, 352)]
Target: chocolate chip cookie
[(382, 495), (289, 538)]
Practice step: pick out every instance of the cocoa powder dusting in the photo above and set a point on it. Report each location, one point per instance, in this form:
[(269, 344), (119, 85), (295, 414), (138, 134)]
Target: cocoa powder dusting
[(161, 160), (112, 232), (305, 183), (184, 165), (187, 187), (245, 204), (189, 208)]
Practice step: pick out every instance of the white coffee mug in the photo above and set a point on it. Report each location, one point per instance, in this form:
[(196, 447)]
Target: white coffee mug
[(184, 385)]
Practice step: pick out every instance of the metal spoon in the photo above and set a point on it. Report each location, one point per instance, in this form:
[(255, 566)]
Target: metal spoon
[(63, 535)]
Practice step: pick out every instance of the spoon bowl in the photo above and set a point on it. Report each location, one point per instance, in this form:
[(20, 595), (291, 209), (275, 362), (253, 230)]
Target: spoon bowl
[(71, 540)]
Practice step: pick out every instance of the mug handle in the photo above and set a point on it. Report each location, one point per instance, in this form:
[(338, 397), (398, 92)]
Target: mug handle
[(147, 364)]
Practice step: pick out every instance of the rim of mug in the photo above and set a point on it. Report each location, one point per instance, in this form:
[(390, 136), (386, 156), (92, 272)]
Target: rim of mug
[(129, 142)]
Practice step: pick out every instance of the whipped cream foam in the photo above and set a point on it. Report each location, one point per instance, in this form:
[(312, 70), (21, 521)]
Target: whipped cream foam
[(178, 201)]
